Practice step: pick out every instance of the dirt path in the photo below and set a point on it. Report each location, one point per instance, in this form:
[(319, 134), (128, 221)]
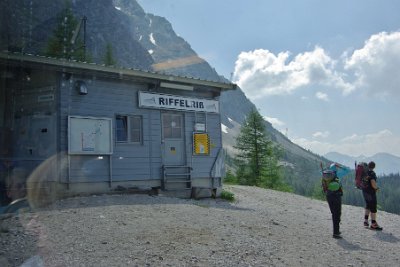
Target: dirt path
[(262, 228)]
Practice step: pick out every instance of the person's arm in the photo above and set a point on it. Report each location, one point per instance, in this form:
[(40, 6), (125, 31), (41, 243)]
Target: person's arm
[(374, 185), (324, 186)]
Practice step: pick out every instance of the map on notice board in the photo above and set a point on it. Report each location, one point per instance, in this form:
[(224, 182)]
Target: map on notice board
[(88, 135)]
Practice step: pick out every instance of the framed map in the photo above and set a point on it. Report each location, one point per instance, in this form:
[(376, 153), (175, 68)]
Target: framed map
[(89, 135)]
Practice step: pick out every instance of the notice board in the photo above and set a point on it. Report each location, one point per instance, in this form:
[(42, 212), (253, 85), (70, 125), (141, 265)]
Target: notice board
[(89, 135)]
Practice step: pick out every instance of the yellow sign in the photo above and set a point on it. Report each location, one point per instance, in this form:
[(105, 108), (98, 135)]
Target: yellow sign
[(201, 143)]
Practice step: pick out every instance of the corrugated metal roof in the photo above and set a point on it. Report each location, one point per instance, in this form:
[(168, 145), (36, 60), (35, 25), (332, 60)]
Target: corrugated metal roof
[(121, 73)]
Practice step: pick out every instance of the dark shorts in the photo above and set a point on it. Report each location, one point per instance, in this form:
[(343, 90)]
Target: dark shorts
[(370, 201)]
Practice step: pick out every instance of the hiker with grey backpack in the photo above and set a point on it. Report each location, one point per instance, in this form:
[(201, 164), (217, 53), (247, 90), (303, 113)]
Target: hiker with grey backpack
[(369, 188)]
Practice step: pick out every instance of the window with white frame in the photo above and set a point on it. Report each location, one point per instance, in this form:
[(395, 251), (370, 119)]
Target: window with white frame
[(129, 129)]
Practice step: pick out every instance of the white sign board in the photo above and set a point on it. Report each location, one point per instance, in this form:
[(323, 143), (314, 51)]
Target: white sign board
[(161, 101), (89, 135), (200, 127)]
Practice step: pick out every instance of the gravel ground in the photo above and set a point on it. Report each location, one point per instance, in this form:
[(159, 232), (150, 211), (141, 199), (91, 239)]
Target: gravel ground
[(261, 228)]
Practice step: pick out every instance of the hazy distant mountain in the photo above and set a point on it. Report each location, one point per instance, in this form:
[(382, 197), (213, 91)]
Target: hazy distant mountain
[(385, 163)]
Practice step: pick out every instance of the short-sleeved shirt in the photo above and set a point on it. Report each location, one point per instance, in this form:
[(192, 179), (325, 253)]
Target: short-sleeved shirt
[(372, 176)]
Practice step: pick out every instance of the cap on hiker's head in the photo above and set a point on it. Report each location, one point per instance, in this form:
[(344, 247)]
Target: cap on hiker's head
[(333, 166)]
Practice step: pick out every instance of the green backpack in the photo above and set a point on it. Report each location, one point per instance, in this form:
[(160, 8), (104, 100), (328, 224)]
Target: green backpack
[(330, 179)]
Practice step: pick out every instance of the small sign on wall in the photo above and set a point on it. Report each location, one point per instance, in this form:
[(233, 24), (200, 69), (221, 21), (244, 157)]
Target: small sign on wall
[(200, 127), (201, 144)]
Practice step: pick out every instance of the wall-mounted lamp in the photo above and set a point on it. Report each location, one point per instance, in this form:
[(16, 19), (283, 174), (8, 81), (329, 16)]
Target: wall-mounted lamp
[(81, 87)]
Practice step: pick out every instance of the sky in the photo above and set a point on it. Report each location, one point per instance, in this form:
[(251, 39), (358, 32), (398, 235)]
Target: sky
[(324, 73)]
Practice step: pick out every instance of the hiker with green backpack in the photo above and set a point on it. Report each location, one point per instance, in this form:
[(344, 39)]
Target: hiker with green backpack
[(332, 187)]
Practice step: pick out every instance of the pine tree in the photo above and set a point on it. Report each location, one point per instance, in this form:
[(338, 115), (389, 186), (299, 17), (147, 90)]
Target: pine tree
[(60, 45), (257, 158), (108, 57)]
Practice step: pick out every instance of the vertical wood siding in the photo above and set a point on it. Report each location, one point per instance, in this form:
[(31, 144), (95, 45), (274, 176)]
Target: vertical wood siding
[(129, 162)]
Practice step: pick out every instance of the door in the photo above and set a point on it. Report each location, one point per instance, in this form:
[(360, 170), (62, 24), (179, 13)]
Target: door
[(173, 139)]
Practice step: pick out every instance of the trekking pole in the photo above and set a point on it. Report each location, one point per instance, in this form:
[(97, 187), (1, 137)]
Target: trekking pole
[(355, 173)]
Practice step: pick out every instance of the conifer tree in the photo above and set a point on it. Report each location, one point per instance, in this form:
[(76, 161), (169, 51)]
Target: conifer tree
[(60, 45), (257, 162), (108, 57)]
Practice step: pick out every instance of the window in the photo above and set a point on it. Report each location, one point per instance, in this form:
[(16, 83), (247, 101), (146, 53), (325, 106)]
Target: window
[(129, 129), (172, 125)]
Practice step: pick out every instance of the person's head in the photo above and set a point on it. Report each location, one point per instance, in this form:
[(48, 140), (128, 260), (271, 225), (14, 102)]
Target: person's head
[(371, 165)]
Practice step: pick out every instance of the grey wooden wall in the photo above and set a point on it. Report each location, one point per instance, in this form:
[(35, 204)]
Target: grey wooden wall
[(107, 98)]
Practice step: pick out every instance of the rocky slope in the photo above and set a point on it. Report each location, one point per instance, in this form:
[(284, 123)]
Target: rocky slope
[(261, 228), (27, 25)]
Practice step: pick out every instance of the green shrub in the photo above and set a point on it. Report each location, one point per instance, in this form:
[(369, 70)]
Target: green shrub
[(227, 196), (230, 178)]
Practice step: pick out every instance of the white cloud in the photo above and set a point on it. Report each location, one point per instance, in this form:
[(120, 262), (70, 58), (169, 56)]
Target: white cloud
[(356, 145), (315, 146), (277, 124), (321, 134), (352, 138), (261, 73), (382, 141), (322, 96), (373, 68), (376, 65), (274, 121)]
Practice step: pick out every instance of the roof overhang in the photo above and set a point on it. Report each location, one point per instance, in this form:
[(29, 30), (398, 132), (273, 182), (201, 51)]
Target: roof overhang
[(71, 66)]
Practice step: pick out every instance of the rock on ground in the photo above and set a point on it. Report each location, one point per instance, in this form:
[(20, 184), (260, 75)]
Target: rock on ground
[(261, 228)]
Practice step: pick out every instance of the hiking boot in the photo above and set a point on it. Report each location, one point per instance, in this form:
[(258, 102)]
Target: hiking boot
[(366, 224), (337, 236), (376, 227)]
